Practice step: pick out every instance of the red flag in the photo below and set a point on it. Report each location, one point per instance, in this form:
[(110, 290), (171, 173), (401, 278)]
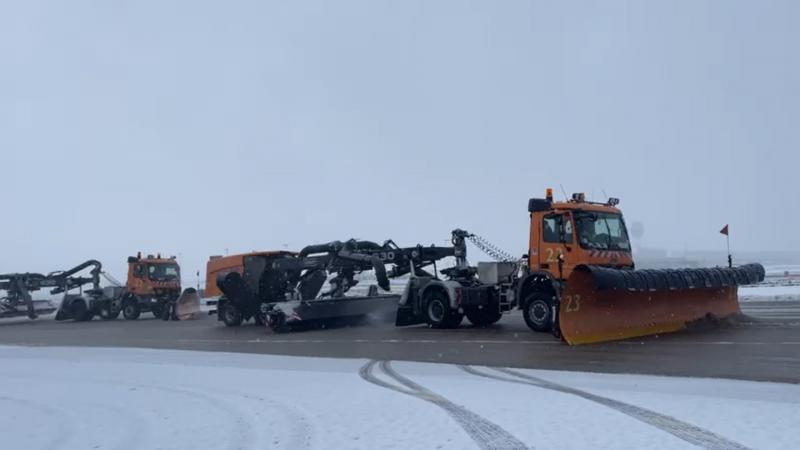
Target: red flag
[(724, 230)]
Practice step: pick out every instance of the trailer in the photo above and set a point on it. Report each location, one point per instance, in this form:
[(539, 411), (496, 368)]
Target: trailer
[(284, 290)]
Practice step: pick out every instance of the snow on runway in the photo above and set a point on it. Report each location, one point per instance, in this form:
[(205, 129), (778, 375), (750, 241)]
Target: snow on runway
[(124, 399)]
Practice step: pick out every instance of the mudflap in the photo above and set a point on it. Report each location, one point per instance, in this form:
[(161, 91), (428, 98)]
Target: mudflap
[(187, 306), (62, 313), (601, 304), (406, 317)]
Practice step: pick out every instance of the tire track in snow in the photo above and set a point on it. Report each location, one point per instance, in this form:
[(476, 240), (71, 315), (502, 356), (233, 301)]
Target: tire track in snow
[(301, 426), (134, 430), (64, 428), (366, 373), (300, 436), (678, 428), (487, 435), (131, 436), (242, 435)]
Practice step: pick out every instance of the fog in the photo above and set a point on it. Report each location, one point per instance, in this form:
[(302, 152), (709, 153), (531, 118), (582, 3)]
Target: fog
[(200, 128)]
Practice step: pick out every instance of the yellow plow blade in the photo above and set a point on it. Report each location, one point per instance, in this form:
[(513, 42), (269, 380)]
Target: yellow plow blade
[(601, 304)]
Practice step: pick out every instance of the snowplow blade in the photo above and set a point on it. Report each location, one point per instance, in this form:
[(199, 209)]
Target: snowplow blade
[(286, 316), (188, 305), (601, 304), (40, 308)]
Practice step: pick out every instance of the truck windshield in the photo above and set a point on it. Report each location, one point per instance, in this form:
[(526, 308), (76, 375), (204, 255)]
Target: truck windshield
[(603, 231), (163, 272)]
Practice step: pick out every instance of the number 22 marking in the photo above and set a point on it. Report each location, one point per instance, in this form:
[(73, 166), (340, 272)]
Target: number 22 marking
[(551, 255)]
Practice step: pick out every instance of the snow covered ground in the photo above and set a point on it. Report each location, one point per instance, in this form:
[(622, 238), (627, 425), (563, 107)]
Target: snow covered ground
[(782, 284), (133, 398), (760, 293)]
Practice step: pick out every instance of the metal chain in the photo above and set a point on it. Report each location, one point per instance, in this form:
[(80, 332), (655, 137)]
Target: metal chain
[(111, 279), (490, 249)]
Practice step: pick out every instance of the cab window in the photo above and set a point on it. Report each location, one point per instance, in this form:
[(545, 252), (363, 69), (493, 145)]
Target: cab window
[(551, 226), (138, 271), (603, 231)]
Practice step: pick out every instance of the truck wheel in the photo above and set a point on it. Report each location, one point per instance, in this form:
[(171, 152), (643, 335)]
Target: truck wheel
[(483, 317), (259, 319), (231, 315), (109, 313), (80, 312), (438, 313), (131, 310), (537, 312), (157, 309), (277, 323)]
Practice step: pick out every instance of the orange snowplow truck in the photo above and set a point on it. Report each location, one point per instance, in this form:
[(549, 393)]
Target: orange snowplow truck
[(577, 280), (153, 285), (583, 248), (153, 282)]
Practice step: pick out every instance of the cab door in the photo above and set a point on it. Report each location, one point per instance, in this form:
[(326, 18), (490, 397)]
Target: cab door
[(556, 241), (136, 278)]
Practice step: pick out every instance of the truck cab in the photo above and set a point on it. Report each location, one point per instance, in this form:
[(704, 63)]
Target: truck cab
[(152, 283), (566, 234), (153, 275)]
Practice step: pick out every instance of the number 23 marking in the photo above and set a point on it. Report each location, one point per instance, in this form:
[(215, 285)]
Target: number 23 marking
[(573, 303)]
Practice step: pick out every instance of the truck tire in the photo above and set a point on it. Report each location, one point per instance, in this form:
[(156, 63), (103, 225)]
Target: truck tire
[(538, 312), (231, 315), (131, 309), (485, 316), (277, 323), (438, 313), (259, 319), (157, 309), (80, 312), (109, 313)]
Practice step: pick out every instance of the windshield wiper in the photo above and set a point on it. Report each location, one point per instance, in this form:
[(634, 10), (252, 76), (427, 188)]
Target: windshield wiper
[(608, 235)]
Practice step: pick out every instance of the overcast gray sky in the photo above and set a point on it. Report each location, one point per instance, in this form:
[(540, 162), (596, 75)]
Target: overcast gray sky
[(192, 127)]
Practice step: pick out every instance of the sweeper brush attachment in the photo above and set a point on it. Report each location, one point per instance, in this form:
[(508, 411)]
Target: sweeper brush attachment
[(602, 304)]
